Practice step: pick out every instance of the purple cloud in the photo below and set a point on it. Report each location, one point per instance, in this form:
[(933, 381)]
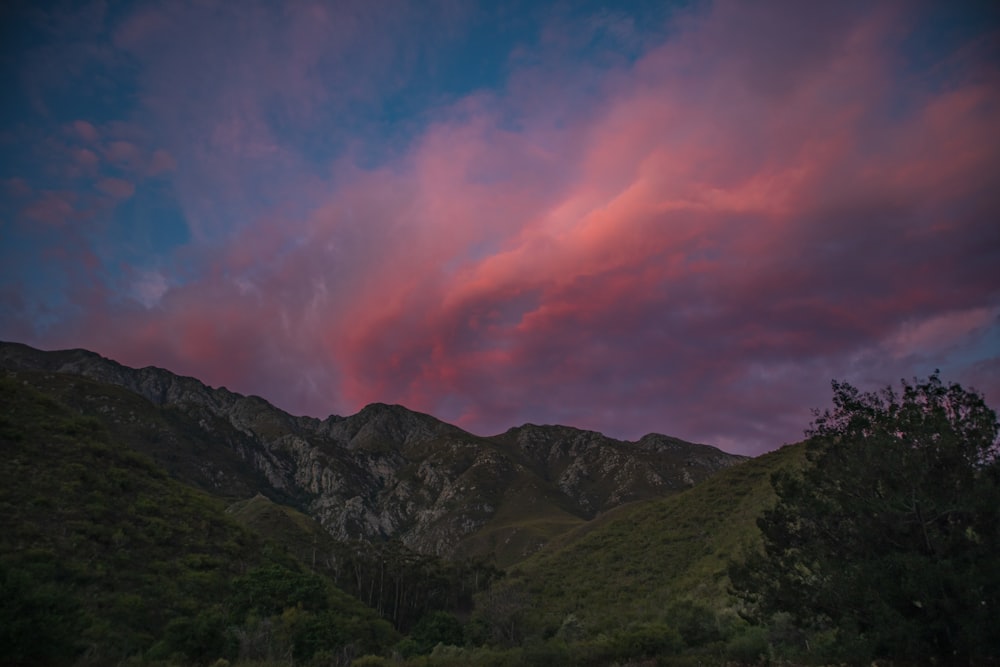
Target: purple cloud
[(688, 228)]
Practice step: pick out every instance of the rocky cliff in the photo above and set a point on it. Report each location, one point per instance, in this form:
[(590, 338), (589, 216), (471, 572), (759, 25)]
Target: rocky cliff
[(385, 472)]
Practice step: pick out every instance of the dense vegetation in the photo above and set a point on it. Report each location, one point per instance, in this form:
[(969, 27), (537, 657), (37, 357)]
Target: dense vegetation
[(875, 539), (103, 556), (888, 545), (403, 586)]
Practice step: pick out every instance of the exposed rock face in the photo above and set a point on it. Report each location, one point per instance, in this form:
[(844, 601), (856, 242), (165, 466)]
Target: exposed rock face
[(388, 471), (600, 472)]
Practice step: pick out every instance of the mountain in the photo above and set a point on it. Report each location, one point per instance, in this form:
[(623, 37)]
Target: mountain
[(384, 473), (148, 519), (104, 556), (634, 563)]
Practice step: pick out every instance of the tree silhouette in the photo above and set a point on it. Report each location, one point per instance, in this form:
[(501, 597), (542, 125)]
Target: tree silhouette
[(889, 538)]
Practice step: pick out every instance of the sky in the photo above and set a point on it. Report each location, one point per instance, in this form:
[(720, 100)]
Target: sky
[(675, 217)]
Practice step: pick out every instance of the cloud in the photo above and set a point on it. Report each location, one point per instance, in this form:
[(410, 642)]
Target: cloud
[(122, 153), (691, 233), (161, 162), (116, 188), (699, 246), (85, 131), (51, 208), (17, 188), (149, 288), (86, 159)]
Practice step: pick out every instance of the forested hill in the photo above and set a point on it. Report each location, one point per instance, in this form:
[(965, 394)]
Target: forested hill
[(103, 555), (146, 519), (149, 515), (383, 473)]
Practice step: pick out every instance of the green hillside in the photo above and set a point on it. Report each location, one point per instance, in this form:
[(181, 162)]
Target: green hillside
[(103, 556), (385, 473), (399, 583), (631, 565), (139, 534), (296, 532), (520, 527), (199, 451), (643, 584), (113, 555)]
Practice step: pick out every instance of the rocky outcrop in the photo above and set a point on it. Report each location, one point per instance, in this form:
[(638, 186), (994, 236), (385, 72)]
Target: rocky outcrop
[(389, 472)]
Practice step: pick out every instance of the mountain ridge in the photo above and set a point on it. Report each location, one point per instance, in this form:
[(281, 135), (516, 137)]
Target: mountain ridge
[(388, 472)]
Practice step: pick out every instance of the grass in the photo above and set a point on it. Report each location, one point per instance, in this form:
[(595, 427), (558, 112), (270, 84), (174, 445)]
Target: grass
[(510, 538), (632, 564), (117, 518), (297, 533), (189, 452), (101, 549)]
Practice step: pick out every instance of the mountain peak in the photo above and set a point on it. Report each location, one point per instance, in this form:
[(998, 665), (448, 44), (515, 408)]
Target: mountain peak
[(387, 410), (384, 472)]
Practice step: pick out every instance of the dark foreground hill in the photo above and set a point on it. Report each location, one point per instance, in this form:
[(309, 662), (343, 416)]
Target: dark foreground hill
[(151, 519), (103, 556), (383, 473), (642, 562)]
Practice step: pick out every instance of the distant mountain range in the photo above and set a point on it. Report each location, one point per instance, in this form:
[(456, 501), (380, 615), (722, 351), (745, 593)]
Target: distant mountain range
[(384, 473)]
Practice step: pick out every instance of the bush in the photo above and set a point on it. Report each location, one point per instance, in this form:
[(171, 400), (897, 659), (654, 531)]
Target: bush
[(38, 622), (198, 639), (647, 641), (545, 654), (889, 535), (749, 647), (370, 661), (271, 589), (437, 627), (697, 624)]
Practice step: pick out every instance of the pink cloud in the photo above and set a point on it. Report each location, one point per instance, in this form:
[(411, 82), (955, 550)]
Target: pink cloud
[(85, 131), (52, 208), (142, 29), (86, 160), (17, 187), (697, 247), (161, 162), (939, 332), (117, 188), (149, 287), (123, 153), (685, 230)]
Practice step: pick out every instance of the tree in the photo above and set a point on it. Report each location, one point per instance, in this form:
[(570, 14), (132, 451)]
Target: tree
[(39, 622), (437, 627), (889, 537), (502, 608)]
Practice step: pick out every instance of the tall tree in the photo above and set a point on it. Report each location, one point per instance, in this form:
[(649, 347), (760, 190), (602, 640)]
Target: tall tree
[(890, 536)]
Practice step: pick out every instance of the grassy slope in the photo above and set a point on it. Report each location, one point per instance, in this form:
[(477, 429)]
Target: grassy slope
[(529, 513), (296, 532), (187, 451), (632, 563), (530, 509), (510, 536), (123, 546)]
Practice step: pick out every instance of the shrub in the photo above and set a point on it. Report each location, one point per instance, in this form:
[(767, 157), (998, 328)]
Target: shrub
[(646, 641), (697, 624), (437, 627), (370, 661), (749, 647)]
